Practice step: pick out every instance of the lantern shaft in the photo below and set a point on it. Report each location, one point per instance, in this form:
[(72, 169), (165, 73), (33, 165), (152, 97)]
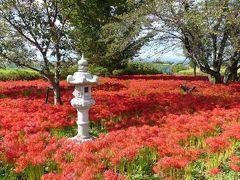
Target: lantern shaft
[(83, 124)]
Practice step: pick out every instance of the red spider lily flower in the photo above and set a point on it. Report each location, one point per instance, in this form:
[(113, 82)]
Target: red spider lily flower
[(110, 175), (51, 176), (88, 174), (21, 165), (218, 143), (177, 162), (215, 171), (234, 159), (235, 167), (147, 111)]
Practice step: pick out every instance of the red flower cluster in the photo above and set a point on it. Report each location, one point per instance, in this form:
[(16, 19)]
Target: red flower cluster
[(217, 143), (137, 112), (235, 163)]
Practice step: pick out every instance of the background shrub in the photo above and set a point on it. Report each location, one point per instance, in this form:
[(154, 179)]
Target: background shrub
[(137, 67), (179, 67), (18, 74), (70, 70), (133, 67), (98, 70), (67, 70)]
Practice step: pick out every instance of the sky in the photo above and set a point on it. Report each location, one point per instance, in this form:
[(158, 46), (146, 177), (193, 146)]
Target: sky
[(149, 53)]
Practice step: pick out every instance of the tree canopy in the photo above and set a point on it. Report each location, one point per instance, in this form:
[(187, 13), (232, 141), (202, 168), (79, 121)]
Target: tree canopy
[(208, 31), (35, 34), (108, 31)]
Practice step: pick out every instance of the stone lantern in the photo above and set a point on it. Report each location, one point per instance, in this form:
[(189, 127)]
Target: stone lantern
[(82, 101)]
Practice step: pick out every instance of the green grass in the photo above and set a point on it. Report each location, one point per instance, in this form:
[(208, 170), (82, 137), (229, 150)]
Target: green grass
[(18, 74), (189, 72), (7, 171)]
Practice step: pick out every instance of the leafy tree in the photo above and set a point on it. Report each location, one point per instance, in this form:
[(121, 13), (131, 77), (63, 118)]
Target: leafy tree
[(208, 30), (35, 34), (107, 31)]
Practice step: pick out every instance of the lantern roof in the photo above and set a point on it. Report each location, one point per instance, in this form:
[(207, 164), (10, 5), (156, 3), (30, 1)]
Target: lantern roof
[(82, 76)]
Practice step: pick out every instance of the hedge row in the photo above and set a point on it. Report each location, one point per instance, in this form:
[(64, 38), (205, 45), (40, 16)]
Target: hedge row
[(137, 67), (18, 74), (133, 67)]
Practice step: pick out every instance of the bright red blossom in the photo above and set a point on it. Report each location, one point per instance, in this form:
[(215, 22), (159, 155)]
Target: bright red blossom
[(171, 162), (137, 111), (110, 175), (215, 171)]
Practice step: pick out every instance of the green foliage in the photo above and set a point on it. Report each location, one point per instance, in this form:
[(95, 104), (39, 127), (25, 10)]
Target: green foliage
[(51, 166), (105, 31), (208, 32), (137, 67), (33, 172), (36, 35), (141, 166), (67, 70), (7, 172), (68, 131), (69, 157), (162, 62), (96, 130), (189, 72), (35, 27), (71, 69), (133, 67), (98, 70), (18, 74), (179, 67)]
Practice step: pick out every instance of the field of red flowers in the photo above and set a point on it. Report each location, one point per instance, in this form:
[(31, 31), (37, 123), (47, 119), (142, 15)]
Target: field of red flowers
[(147, 128)]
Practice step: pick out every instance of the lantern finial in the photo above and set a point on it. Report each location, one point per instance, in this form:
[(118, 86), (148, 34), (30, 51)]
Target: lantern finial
[(82, 64)]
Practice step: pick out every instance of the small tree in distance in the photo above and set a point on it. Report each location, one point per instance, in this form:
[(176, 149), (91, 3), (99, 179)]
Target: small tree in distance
[(35, 34)]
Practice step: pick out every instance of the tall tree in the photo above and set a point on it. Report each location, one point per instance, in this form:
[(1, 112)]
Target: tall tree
[(208, 30), (107, 31), (35, 35), (233, 49)]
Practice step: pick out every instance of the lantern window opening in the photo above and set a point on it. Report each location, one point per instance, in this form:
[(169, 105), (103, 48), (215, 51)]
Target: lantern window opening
[(86, 89)]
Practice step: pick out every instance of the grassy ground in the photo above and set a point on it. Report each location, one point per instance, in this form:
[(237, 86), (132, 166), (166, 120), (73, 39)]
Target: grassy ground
[(190, 72)]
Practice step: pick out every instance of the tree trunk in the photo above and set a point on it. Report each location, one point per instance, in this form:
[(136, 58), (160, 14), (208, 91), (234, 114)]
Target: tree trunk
[(213, 76), (195, 70), (215, 79), (234, 72), (235, 76), (56, 91), (56, 85), (231, 72)]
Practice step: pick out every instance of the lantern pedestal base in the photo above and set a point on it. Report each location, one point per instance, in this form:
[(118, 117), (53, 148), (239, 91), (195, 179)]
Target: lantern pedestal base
[(79, 139)]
